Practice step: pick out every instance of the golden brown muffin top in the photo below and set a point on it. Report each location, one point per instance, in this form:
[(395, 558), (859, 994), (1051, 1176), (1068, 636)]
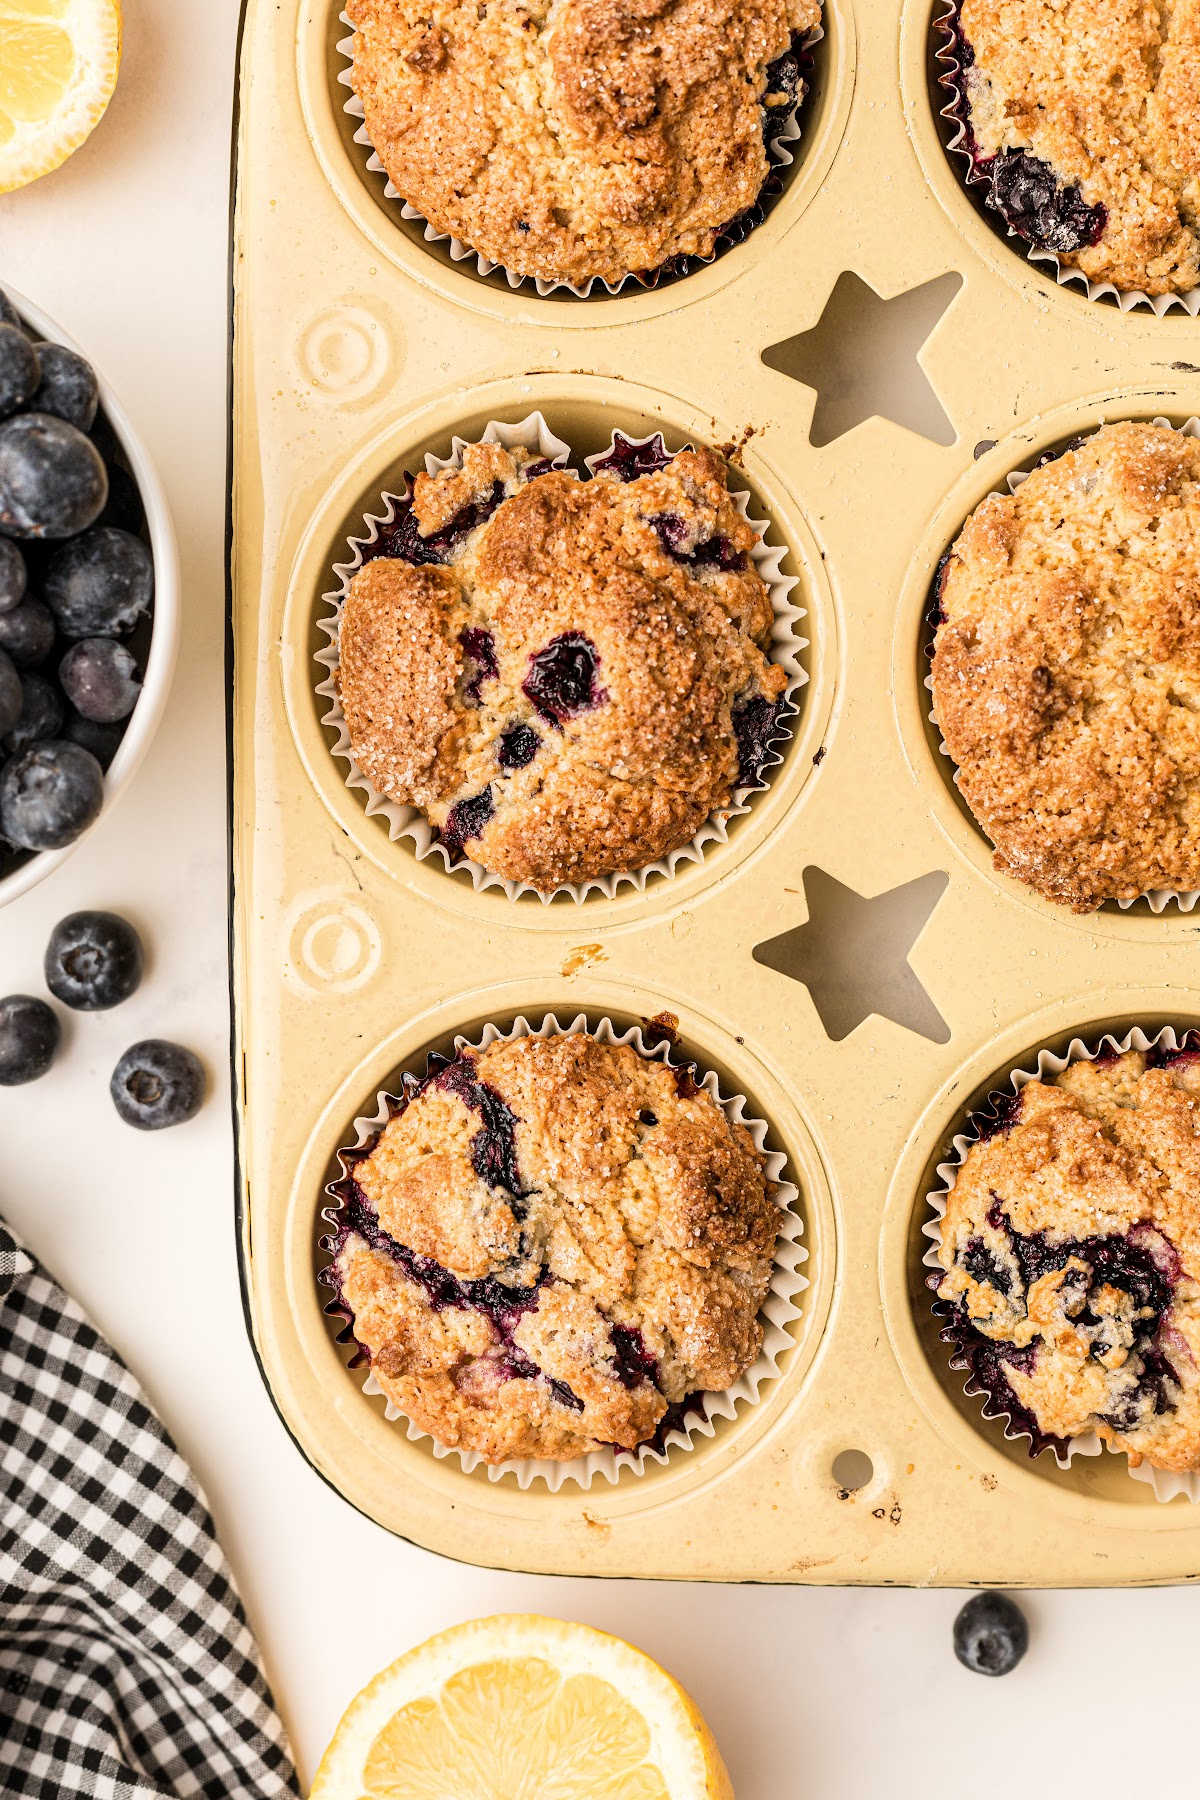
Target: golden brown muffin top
[(554, 1242), (1107, 93), (1066, 668), (563, 697), (1072, 1236), (573, 139)]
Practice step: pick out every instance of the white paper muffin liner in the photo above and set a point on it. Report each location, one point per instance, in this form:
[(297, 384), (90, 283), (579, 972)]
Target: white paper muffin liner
[(950, 79), (780, 155), (780, 1309), (408, 823), (1157, 899), (1167, 1484)]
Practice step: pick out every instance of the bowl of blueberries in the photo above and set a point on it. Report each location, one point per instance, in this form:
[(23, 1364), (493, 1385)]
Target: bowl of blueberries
[(89, 597)]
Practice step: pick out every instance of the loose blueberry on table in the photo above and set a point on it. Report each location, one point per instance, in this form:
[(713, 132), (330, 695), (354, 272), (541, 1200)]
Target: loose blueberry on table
[(94, 961), (29, 1035), (157, 1084), (76, 594), (990, 1635)]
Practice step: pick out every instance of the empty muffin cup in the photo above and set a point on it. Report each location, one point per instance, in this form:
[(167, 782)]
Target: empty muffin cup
[(494, 1313), (1107, 1300), (790, 79), (566, 804), (1046, 219)]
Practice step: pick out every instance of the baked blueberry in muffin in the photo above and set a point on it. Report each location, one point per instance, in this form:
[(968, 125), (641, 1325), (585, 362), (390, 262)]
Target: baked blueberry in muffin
[(1070, 1252), (1066, 668), (553, 1246), (585, 139), (1081, 122), (566, 677)]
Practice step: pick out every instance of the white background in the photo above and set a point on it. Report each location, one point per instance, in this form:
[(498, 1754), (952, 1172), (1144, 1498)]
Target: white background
[(811, 1693)]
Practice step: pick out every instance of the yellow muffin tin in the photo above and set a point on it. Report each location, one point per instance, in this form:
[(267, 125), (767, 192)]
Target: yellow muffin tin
[(357, 346)]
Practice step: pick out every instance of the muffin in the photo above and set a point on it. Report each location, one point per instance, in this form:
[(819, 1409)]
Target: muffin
[(552, 1247), (1069, 1254), (1066, 668), (566, 677), (1082, 120), (584, 141)]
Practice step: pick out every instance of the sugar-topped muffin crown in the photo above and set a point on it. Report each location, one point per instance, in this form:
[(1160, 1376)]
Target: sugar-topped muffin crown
[(578, 677), (1085, 119), (552, 1246), (1066, 668), (1070, 1256), (575, 139)]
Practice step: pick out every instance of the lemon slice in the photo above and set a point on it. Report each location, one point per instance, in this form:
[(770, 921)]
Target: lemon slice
[(58, 68), (522, 1708)]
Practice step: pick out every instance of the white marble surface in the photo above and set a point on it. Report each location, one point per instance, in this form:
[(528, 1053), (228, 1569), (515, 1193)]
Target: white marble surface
[(825, 1695)]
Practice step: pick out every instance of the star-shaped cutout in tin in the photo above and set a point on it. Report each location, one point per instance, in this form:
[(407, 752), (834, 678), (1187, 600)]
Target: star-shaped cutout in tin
[(861, 357), (852, 954)]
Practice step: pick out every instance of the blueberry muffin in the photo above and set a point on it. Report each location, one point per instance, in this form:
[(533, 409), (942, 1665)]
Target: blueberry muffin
[(551, 1247), (566, 677), (1066, 668), (1070, 1253), (1083, 119), (585, 140)]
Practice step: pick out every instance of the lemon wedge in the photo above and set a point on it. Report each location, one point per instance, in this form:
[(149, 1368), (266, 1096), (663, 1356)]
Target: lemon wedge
[(522, 1708), (58, 68)]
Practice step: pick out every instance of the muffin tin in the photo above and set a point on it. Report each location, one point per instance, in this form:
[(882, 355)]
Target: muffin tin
[(357, 347)]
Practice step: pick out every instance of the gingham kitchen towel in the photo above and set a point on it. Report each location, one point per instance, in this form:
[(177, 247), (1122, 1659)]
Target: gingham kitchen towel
[(127, 1669)]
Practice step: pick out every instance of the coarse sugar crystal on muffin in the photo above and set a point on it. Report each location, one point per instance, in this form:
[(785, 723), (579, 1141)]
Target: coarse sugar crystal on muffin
[(567, 677), (1083, 119), (578, 140), (552, 1247), (1066, 668), (1070, 1252)]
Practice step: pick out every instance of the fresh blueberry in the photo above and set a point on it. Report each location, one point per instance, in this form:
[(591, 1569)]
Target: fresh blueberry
[(49, 796), (13, 575), (53, 483), (124, 508), (100, 679), (20, 370), (561, 682), (41, 715), (93, 961), (68, 387), (990, 1634), (10, 694), (157, 1084), (29, 1034), (27, 633), (103, 741), (8, 312), (101, 584)]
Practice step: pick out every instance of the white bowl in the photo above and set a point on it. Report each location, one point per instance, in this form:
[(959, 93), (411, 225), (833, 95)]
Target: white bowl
[(164, 642)]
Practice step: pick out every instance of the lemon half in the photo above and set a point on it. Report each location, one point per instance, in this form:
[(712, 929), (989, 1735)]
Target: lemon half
[(522, 1708), (58, 68)]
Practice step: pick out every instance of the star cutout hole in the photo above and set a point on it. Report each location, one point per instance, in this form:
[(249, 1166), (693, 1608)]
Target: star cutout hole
[(852, 954), (861, 358)]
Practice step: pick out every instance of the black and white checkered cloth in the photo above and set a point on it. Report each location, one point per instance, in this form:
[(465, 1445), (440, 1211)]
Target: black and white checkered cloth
[(127, 1669)]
